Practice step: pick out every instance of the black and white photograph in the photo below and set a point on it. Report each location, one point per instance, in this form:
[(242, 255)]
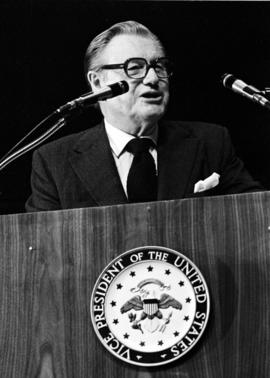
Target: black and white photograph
[(134, 189)]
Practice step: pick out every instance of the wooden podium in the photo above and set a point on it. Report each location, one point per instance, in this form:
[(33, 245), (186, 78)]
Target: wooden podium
[(50, 261)]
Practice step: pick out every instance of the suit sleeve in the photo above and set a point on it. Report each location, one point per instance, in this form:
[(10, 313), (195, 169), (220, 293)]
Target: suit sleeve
[(44, 192), (234, 176)]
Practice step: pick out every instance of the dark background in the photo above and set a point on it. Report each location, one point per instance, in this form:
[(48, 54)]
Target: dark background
[(42, 49)]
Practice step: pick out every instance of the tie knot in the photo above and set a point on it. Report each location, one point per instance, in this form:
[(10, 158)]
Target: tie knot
[(138, 145)]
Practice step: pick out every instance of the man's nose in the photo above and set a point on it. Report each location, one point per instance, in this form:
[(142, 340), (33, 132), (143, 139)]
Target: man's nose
[(151, 77)]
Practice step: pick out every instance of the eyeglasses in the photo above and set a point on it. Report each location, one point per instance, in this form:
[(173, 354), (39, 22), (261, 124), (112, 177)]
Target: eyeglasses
[(137, 68)]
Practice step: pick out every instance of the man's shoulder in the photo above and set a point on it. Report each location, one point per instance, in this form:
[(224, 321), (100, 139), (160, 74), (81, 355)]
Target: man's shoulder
[(69, 142), (178, 130), (192, 128)]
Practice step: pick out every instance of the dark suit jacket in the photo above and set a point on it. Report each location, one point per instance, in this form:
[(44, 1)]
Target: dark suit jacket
[(79, 170)]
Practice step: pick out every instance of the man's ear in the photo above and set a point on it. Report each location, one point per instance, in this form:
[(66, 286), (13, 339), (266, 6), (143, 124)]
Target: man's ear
[(95, 80)]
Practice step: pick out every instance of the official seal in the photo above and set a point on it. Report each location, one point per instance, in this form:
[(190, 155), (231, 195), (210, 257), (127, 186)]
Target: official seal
[(150, 306)]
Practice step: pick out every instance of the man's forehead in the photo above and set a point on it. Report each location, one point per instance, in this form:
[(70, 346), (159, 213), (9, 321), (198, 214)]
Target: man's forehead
[(125, 46)]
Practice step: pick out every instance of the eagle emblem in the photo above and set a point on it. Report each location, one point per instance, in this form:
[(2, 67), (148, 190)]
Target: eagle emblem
[(150, 302)]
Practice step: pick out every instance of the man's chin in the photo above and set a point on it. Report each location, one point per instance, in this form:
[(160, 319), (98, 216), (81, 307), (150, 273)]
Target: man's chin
[(152, 112)]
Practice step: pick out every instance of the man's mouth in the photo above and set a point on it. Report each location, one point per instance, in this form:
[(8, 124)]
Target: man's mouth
[(152, 95)]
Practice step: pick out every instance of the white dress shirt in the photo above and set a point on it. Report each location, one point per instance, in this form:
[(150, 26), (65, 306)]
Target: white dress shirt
[(118, 140)]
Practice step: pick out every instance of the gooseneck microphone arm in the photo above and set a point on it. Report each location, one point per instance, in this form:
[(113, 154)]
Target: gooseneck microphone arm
[(8, 158), (61, 115)]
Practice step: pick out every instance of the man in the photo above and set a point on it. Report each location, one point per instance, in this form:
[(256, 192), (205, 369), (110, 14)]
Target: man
[(171, 160)]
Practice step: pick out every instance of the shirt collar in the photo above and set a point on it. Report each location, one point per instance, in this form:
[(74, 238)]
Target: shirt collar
[(118, 139)]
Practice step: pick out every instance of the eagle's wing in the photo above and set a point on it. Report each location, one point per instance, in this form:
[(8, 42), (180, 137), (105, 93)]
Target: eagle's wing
[(167, 301), (133, 303)]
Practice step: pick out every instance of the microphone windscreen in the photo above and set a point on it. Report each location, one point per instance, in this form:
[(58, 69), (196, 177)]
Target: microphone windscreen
[(228, 80), (119, 88)]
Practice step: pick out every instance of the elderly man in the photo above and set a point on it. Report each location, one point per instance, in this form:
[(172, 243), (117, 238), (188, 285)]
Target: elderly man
[(133, 156)]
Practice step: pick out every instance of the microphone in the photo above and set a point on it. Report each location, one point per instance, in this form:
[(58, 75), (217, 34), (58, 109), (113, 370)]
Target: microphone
[(248, 91), (90, 98), (109, 91)]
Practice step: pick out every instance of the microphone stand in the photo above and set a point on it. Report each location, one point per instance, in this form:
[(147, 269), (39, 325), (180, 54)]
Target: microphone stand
[(64, 111), (258, 98), (266, 91), (8, 158)]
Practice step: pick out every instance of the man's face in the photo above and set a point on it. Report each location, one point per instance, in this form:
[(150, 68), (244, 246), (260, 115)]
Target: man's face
[(138, 110)]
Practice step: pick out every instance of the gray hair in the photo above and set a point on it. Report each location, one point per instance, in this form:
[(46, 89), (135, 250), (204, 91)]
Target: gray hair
[(98, 44)]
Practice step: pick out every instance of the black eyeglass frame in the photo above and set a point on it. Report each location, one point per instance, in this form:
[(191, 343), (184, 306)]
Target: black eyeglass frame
[(153, 63)]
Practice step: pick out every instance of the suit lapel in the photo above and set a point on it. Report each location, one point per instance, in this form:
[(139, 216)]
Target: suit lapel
[(178, 153), (93, 163)]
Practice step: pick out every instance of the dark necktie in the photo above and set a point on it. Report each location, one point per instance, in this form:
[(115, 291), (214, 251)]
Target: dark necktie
[(142, 176)]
